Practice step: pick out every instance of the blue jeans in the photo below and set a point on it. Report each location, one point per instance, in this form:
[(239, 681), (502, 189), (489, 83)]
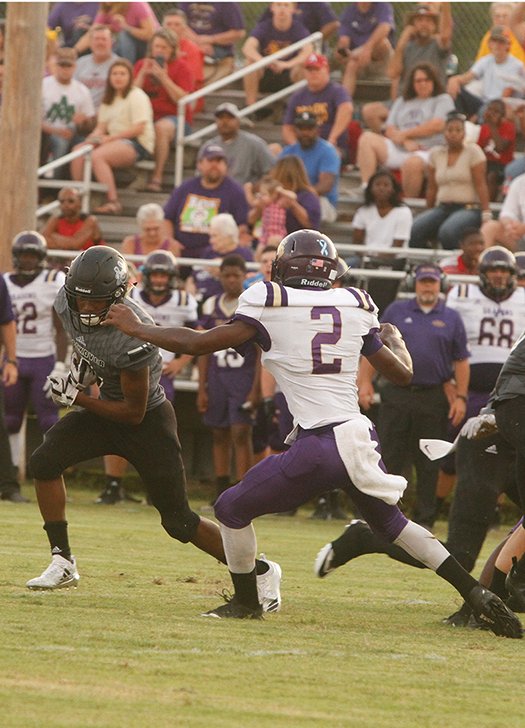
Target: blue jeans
[(515, 168), (446, 223)]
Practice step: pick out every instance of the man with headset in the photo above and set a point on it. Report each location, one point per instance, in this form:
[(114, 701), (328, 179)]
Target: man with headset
[(436, 340)]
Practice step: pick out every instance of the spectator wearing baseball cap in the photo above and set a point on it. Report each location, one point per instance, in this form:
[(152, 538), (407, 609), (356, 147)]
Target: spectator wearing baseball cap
[(501, 76), (506, 15), (321, 161), (191, 206), (281, 30), (365, 42), (436, 339), (248, 155), (328, 100)]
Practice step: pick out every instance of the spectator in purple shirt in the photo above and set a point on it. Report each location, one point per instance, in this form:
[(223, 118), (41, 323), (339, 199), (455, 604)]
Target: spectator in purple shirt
[(269, 36), (196, 201), (328, 100), (314, 17), (73, 19), (365, 41), (215, 28)]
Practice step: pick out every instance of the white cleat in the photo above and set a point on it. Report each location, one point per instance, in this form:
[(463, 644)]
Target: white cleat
[(269, 586), (60, 574)]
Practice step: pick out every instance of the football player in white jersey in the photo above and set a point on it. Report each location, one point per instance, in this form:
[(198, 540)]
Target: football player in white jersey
[(41, 343), (312, 336), (167, 305)]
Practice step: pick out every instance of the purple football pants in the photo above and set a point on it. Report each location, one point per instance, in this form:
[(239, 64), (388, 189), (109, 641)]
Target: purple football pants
[(32, 375), (284, 482)]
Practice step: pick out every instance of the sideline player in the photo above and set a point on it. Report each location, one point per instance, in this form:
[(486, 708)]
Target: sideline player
[(132, 418), (312, 336)]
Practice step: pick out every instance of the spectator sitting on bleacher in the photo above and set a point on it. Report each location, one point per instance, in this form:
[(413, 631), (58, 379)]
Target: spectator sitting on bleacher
[(248, 156), (384, 221), (175, 21), (224, 240), (303, 209), (166, 79), (71, 229), (266, 215), (415, 124), (365, 41), (501, 75), (426, 38), (124, 133), (151, 235), (501, 14), (215, 28), (193, 204), (133, 25), (68, 110), (73, 19), (509, 229), (321, 161), (328, 100), (92, 69), (457, 192), (497, 138), (467, 262), (269, 36)]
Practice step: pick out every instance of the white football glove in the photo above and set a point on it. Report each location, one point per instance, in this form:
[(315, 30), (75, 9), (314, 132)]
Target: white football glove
[(58, 370), (81, 373), (63, 391), (480, 426)]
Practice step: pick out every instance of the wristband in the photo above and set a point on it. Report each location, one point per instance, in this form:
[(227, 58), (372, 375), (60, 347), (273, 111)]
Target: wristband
[(12, 361), (486, 215), (461, 396)]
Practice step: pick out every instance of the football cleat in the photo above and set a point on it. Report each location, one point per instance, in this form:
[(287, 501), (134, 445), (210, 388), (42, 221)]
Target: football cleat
[(233, 609), (459, 618), (269, 586), (110, 496), (60, 574), (324, 561), (515, 585), (491, 611)]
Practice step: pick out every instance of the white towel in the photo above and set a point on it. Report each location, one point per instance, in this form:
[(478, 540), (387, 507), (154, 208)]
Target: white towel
[(358, 453)]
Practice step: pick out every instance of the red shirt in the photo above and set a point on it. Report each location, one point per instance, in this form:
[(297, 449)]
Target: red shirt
[(506, 130), (181, 74), (194, 57), (68, 228)]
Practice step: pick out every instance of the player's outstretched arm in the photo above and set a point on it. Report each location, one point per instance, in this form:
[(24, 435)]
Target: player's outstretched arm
[(393, 360), (180, 340)]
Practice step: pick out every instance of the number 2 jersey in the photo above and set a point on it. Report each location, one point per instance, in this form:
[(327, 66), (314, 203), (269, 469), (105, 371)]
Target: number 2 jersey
[(311, 342), (492, 328)]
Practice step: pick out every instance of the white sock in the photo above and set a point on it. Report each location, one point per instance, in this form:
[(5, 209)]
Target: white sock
[(240, 547), (422, 545), (14, 444)]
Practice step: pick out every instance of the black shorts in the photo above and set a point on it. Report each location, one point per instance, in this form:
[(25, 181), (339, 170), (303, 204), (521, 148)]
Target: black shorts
[(271, 82), (153, 447)]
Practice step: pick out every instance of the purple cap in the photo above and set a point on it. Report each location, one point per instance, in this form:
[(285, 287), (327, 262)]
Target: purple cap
[(212, 151), (428, 271)]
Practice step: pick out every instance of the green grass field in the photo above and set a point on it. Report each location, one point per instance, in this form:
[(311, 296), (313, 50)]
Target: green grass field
[(364, 647)]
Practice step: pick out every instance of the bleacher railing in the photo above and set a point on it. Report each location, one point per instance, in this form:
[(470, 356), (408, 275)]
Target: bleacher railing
[(182, 139), (85, 185)]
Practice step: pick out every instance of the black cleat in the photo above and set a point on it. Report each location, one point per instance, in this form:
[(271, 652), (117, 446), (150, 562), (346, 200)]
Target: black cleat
[(109, 497), (459, 618), (491, 611), (15, 496), (515, 585), (233, 609)]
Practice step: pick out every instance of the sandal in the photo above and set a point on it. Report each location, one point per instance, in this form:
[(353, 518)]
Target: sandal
[(154, 186), (111, 207)]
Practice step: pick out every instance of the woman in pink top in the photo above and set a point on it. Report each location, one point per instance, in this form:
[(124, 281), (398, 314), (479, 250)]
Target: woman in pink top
[(133, 24), (150, 220)]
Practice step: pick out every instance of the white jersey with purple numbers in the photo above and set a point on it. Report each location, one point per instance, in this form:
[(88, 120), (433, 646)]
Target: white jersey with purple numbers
[(492, 327), (33, 308), (180, 309), (311, 342)]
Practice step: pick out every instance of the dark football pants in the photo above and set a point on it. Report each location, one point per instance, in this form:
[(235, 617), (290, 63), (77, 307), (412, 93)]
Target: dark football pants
[(510, 418)]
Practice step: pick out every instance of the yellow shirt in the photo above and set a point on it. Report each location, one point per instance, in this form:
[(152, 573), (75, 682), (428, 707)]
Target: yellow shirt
[(516, 48), (124, 113)]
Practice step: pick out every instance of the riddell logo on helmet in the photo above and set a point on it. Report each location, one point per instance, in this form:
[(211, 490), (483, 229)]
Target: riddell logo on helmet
[(79, 289), (316, 283)]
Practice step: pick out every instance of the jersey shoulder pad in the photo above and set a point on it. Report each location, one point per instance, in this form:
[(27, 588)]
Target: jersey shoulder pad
[(362, 299), (53, 276), (209, 304)]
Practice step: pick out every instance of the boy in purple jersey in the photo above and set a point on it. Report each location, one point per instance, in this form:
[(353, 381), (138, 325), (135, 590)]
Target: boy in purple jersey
[(269, 36), (312, 336), (228, 382)]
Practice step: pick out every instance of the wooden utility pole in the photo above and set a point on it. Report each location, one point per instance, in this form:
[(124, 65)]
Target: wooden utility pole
[(20, 119)]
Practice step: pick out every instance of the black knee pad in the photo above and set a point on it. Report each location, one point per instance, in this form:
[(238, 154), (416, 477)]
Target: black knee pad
[(181, 526), (42, 465)]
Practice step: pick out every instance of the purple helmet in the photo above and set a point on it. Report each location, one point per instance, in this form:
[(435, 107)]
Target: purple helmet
[(32, 243), (307, 259), (494, 258), (160, 261)]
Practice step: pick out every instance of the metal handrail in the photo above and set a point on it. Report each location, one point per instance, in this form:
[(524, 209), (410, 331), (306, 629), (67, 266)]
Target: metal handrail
[(315, 38), (84, 185)]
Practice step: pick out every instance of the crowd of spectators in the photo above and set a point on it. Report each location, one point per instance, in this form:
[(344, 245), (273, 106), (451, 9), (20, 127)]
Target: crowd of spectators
[(445, 135)]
